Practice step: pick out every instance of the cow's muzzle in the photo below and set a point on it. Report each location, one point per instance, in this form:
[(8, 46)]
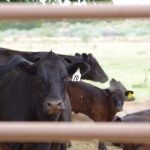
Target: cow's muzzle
[(54, 106)]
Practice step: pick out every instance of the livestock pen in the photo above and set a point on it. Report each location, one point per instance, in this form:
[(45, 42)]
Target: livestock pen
[(140, 132)]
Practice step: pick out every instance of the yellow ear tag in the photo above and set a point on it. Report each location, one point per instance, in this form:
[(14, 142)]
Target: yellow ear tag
[(130, 95)]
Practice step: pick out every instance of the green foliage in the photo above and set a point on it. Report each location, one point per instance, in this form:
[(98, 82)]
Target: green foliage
[(19, 1), (85, 29), (4, 25)]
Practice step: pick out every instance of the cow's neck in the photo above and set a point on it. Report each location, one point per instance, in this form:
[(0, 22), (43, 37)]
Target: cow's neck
[(111, 111)]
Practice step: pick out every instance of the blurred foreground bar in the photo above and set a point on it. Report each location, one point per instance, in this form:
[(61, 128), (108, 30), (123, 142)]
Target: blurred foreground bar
[(99, 11), (44, 131)]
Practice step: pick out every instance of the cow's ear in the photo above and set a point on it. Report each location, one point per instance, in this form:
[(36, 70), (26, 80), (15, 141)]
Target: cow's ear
[(84, 68), (129, 94), (90, 56), (84, 56), (27, 67), (77, 54)]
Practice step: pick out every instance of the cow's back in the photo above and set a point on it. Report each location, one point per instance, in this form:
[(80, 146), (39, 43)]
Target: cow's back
[(141, 116), (89, 100)]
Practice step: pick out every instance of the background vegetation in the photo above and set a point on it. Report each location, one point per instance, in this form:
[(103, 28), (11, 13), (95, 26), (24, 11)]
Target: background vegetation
[(85, 29)]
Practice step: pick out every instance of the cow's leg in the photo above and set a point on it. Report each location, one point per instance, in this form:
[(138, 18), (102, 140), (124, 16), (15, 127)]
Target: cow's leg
[(55, 146), (42, 146), (58, 146), (69, 145), (15, 146), (4, 146), (102, 146), (63, 146)]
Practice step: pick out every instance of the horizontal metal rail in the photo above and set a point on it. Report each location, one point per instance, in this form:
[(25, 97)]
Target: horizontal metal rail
[(44, 132), (101, 11)]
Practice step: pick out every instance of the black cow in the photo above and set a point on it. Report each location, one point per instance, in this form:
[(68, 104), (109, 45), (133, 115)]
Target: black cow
[(96, 73), (141, 116), (36, 91)]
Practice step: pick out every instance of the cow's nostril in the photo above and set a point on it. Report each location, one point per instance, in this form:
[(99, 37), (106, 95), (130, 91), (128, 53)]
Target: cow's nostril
[(53, 103), (48, 104), (59, 104), (53, 106)]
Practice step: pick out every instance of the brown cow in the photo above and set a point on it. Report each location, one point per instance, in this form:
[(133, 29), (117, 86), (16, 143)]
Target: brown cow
[(98, 104), (141, 116)]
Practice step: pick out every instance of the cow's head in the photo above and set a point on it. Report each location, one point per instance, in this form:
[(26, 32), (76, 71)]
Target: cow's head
[(117, 98), (96, 72), (51, 75), (114, 84)]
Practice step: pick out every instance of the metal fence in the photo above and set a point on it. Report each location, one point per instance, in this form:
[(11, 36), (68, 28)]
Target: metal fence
[(100, 11), (111, 132), (44, 131)]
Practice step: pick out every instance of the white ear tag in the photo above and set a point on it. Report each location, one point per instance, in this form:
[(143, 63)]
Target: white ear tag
[(77, 75)]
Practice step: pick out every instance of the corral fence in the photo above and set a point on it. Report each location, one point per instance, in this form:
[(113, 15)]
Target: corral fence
[(28, 11), (44, 131)]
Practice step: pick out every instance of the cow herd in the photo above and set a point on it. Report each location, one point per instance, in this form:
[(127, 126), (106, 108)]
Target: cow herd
[(37, 86)]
